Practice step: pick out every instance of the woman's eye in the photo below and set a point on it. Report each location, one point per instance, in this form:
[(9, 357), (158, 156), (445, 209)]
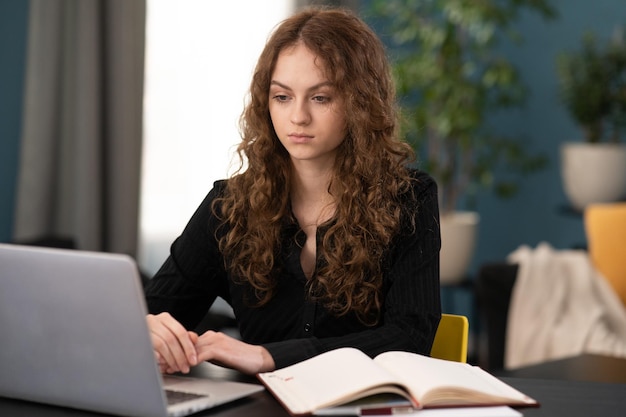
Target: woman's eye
[(280, 97), (321, 99)]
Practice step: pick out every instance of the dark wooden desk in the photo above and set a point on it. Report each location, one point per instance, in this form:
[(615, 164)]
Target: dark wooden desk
[(572, 398), (585, 367), (557, 398)]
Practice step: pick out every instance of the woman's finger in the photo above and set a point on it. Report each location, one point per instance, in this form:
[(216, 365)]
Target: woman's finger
[(172, 342)]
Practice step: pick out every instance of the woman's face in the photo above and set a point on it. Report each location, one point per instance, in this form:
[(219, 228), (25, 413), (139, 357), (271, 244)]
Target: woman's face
[(306, 110)]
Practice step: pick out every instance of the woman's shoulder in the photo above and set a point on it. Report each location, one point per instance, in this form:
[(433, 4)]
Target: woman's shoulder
[(421, 180), (220, 185), (419, 174), (217, 191)]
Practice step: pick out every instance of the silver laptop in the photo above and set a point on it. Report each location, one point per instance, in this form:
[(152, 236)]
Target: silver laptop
[(74, 334)]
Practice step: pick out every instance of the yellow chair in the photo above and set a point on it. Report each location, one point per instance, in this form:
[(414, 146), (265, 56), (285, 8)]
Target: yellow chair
[(605, 227), (451, 338)]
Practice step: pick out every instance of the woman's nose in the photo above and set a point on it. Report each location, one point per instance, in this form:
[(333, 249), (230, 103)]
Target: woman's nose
[(300, 114)]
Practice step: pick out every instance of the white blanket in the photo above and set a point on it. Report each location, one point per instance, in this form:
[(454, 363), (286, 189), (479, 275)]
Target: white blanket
[(561, 306)]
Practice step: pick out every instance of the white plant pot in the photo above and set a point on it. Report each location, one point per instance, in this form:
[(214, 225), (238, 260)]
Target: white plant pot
[(593, 173), (459, 231)]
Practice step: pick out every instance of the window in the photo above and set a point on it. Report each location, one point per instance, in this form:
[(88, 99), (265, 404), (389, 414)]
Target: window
[(199, 60)]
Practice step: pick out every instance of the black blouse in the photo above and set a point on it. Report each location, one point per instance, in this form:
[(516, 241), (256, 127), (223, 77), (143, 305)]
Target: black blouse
[(291, 327)]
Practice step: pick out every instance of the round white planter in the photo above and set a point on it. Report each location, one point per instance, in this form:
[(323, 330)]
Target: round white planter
[(593, 173), (459, 232)]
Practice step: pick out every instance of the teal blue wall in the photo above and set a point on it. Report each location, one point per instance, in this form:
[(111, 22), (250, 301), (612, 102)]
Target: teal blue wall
[(13, 17), (536, 214)]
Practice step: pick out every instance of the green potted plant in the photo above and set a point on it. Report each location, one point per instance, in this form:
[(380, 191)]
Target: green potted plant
[(451, 79), (592, 88)]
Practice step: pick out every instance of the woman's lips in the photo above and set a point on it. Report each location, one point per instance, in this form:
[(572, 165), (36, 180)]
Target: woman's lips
[(300, 137)]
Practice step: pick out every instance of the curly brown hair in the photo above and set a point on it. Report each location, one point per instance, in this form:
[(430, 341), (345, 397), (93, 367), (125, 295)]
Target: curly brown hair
[(369, 175)]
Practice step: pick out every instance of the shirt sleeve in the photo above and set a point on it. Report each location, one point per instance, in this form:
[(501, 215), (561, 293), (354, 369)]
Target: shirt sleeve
[(412, 304), (193, 275)]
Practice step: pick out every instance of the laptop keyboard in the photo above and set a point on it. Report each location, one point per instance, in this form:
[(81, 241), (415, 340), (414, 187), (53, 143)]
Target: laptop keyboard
[(175, 397)]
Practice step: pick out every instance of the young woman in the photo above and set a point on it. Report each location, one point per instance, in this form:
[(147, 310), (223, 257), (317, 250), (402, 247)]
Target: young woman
[(326, 239)]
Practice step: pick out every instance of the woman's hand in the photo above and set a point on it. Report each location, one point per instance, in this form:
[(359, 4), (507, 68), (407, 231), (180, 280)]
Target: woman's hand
[(174, 346), (224, 350), (177, 349)]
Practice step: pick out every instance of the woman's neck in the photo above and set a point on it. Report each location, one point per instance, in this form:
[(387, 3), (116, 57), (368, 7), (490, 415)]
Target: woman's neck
[(310, 184), (310, 199)]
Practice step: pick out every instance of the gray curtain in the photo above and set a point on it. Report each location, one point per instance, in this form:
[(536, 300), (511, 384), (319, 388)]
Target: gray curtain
[(80, 164)]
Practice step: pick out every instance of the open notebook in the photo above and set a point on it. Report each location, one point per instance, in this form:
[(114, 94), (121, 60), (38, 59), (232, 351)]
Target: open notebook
[(74, 334)]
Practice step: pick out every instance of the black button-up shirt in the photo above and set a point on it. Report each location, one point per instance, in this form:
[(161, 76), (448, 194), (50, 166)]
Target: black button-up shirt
[(291, 326)]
